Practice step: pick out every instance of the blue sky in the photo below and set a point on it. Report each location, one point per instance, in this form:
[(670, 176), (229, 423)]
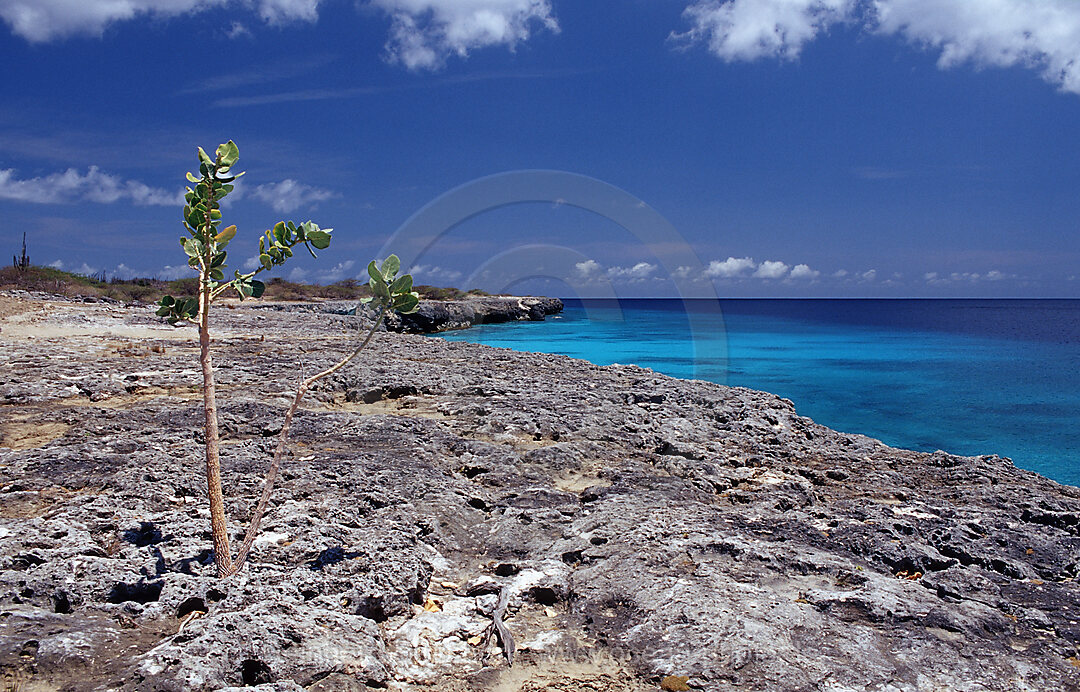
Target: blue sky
[(797, 147)]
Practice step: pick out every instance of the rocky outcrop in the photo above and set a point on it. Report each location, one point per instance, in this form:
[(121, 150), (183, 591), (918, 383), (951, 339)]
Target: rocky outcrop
[(638, 527), (434, 316)]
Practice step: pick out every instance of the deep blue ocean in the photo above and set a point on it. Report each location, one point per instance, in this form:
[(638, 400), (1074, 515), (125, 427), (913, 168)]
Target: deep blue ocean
[(966, 376)]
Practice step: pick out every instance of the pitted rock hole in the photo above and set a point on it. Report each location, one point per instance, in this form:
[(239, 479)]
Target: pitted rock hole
[(140, 592), (254, 672), (191, 605)]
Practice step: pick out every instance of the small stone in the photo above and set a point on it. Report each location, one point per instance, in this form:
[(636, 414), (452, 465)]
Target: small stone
[(675, 683)]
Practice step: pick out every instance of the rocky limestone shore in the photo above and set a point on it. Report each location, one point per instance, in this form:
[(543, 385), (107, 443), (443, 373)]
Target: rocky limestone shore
[(639, 532)]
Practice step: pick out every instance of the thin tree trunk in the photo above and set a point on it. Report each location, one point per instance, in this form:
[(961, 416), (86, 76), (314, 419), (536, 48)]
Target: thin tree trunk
[(283, 437), (218, 526)]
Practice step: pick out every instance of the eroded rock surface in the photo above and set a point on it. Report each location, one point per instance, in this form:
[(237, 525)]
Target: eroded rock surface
[(642, 526)]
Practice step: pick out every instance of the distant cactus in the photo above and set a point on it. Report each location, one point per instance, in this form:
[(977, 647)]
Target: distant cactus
[(22, 263)]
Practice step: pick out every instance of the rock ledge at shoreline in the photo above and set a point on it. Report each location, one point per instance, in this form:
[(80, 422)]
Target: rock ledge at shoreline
[(640, 527)]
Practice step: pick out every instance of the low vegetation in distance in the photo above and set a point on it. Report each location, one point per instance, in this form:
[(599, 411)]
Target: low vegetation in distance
[(58, 282)]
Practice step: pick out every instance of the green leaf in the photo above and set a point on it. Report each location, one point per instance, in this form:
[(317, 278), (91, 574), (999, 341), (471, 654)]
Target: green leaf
[(266, 260), (279, 232), (402, 284), (218, 260), (191, 177), (374, 273), (229, 153), (193, 247), (319, 238), (407, 303), (205, 158), (390, 267), (378, 287), (227, 234), (216, 274), (257, 289), (215, 214)]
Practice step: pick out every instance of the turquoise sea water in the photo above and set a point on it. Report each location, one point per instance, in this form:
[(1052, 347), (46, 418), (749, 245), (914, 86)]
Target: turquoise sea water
[(966, 376)]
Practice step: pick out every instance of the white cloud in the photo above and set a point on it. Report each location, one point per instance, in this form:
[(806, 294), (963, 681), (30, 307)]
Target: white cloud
[(803, 271), (588, 269), (771, 270), (72, 186), (434, 273), (840, 273), (238, 30), (638, 272), (298, 275), (336, 273), (1043, 35), (58, 264), (172, 272), (46, 20), (868, 275), (85, 269), (969, 277), (730, 268), (751, 29), (289, 195), (424, 33), (280, 11)]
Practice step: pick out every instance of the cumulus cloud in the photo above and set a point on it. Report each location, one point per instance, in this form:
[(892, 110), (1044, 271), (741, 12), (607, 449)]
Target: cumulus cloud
[(335, 273), (73, 186), (588, 269), (424, 33), (434, 273), (289, 195), (751, 29), (45, 20), (868, 275), (803, 271), (638, 272), (172, 272), (771, 270), (966, 277), (1043, 35), (732, 267)]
